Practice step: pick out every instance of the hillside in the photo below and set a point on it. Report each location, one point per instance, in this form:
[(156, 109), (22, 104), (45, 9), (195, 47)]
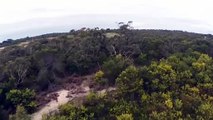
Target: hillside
[(158, 74)]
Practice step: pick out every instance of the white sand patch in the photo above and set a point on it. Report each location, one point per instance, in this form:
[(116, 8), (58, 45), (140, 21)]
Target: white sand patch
[(111, 35), (23, 44), (2, 48), (63, 99), (52, 105)]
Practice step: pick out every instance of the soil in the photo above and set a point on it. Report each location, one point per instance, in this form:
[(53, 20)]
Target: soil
[(50, 100), (74, 88)]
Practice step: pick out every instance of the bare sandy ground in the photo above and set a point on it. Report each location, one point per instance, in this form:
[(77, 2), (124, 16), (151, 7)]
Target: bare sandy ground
[(1, 48), (67, 94), (53, 105), (63, 98), (23, 44)]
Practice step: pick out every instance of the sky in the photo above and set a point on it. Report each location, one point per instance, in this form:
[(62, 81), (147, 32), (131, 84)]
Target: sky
[(22, 18)]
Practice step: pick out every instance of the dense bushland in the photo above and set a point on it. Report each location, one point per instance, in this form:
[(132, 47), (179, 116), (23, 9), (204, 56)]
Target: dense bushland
[(158, 74)]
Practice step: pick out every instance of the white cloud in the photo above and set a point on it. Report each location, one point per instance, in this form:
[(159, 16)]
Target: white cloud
[(27, 15), (16, 10)]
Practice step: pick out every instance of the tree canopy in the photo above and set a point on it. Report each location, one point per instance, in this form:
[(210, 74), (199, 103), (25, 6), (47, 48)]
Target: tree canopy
[(158, 74)]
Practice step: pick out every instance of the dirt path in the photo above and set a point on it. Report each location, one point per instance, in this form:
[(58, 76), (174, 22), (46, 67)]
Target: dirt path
[(76, 88), (66, 94), (63, 98), (52, 105)]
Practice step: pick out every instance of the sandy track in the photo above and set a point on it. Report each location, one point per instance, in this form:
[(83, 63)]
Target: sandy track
[(53, 105)]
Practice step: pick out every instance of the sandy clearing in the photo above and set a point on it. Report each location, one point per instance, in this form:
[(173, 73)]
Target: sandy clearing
[(23, 44), (2, 48), (53, 105), (63, 98)]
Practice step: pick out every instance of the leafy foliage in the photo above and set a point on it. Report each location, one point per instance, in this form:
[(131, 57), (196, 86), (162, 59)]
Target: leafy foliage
[(22, 97), (159, 74), (129, 82), (125, 117), (20, 114)]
